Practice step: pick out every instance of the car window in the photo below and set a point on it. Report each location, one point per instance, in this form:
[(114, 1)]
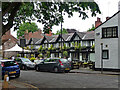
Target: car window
[(63, 60), (25, 60), (9, 63), (53, 60), (46, 60)]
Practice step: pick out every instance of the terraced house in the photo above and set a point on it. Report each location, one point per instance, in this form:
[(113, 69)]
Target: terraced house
[(79, 45)]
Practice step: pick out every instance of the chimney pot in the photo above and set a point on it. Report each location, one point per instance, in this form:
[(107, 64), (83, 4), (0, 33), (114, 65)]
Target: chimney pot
[(107, 18), (98, 19)]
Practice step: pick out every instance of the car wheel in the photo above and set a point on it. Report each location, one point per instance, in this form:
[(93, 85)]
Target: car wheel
[(17, 76), (24, 67), (37, 68), (55, 69)]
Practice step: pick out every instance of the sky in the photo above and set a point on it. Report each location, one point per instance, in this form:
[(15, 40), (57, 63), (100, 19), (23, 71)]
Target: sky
[(107, 8)]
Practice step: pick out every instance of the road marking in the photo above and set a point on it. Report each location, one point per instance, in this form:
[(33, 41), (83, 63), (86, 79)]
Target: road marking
[(29, 85)]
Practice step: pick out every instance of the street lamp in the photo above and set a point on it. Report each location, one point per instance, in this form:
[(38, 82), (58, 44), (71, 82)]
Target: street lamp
[(61, 32), (101, 58)]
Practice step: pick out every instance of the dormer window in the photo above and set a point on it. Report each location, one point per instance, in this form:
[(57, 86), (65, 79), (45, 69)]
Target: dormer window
[(110, 32)]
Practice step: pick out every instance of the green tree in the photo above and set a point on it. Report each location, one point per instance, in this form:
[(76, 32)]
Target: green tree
[(64, 31), (47, 13), (91, 29), (31, 27)]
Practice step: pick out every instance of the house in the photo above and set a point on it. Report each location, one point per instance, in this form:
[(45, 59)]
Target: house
[(69, 40), (8, 41), (107, 43)]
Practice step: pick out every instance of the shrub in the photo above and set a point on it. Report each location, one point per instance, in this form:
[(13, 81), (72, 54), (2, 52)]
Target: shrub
[(40, 55), (40, 48), (93, 46), (5, 58), (48, 54), (32, 55), (25, 57), (79, 46), (32, 58), (65, 54), (18, 55), (83, 47)]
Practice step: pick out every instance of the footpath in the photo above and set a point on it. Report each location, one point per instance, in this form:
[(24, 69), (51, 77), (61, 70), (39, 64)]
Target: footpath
[(90, 71), (14, 85)]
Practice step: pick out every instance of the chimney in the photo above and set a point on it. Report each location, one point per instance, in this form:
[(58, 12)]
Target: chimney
[(98, 22), (50, 33), (107, 18)]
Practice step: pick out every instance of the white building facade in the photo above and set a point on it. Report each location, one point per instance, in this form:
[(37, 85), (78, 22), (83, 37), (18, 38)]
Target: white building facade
[(107, 43)]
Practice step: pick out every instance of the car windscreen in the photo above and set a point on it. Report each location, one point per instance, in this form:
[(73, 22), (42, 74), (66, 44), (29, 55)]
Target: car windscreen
[(25, 60), (9, 63), (46, 60), (63, 60)]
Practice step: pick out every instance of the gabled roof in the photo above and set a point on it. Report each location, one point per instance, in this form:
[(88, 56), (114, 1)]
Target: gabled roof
[(39, 41), (108, 19), (67, 37), (34, 40), (88, 35), (54, 38), (81, 34)]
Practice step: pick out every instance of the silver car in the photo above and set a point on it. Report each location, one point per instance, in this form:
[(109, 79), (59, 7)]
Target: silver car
[(25, 63)]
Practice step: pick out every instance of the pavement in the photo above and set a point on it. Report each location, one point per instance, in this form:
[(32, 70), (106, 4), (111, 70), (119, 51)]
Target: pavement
[(16, 85), (90, 71), (12, 84)]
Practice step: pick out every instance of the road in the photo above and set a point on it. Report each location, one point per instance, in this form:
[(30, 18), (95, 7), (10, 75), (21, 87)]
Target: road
[(67, 80)]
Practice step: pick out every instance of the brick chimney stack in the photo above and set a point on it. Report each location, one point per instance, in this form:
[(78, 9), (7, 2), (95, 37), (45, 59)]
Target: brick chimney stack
[(98, 22), (50, 32)]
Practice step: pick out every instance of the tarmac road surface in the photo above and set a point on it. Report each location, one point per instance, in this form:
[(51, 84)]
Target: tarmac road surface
[(67, 80)]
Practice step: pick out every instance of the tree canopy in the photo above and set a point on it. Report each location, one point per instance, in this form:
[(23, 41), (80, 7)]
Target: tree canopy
[(31, 27), (91, 29), (47, 13), (64, 31)]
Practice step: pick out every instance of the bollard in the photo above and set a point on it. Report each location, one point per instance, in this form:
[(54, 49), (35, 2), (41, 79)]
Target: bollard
[(6, 79)]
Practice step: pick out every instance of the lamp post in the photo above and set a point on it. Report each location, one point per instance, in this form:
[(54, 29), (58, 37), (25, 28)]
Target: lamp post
[(61, 32), (101, 58)]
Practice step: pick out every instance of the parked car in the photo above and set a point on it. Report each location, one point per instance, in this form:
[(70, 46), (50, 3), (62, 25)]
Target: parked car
[(11, 67), (54, 65), (25, 63)]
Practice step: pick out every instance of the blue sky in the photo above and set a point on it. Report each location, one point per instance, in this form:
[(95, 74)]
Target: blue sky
[(107, 7)]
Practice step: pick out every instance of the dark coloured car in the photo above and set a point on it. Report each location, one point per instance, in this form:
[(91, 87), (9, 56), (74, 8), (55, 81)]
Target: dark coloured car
[(25, 63), (54, 65), (11, 67)]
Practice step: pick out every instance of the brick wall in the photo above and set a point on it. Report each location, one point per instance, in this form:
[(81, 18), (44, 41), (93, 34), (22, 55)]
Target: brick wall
[(29, 35), (8, 41)]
